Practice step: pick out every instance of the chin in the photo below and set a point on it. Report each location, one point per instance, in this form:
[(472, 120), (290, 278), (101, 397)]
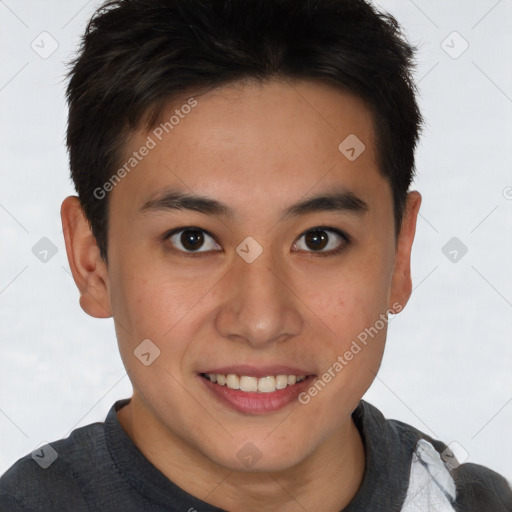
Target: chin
[(259, 456)]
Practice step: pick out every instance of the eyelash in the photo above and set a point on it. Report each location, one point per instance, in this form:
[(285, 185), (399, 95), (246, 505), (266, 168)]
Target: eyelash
[(333, 252)]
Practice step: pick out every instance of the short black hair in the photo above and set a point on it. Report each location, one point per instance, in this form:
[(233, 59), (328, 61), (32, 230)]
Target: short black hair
[(136, 55)]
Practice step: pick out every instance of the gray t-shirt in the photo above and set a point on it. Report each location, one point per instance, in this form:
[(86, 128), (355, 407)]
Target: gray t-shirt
[(99, 468)]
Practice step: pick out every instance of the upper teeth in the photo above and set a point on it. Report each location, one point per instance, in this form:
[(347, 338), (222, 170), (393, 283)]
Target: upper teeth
[(253, 384)]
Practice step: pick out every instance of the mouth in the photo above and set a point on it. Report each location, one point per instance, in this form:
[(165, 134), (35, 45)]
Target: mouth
[(250, 384), (251, 391)]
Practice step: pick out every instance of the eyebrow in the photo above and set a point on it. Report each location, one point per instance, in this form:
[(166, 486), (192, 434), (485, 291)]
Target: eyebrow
[(338, 200)]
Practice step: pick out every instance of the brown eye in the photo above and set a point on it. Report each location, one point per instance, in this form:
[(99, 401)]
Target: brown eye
[(317, 239), (191, 240), (324, 241)]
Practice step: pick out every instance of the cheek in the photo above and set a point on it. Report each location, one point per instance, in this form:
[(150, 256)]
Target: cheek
[(353, 304), (351, 297), (355, 312), (148, 296), (148, 306)]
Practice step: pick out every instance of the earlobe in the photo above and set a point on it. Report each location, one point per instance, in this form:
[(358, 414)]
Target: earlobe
[(88, 268), (401, 285)]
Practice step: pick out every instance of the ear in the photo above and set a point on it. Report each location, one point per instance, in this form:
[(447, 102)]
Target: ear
[(87, 266), (401, 284)]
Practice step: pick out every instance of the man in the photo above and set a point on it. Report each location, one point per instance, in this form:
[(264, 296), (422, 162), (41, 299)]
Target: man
[(244, 215)]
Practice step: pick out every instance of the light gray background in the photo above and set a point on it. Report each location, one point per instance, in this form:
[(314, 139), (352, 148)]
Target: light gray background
[(447, 366)]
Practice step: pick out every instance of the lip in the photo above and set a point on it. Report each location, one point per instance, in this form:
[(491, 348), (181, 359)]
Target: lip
[(258, 371), (256, 403)]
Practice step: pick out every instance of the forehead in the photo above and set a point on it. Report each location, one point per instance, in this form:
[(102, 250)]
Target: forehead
[(249, 143)]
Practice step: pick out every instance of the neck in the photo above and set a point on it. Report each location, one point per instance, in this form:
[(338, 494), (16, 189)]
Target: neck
[(330, 476)]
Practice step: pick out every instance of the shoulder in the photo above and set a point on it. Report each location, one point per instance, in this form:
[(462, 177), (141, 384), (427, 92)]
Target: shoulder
[(428, 469), (481, 488), (467, 487), (52, 477)]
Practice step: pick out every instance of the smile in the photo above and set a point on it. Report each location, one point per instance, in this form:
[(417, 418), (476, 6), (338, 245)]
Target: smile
[(250, 384), (270, 391)]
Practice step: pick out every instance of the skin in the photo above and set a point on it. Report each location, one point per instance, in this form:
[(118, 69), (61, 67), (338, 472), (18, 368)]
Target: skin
[(258, 148)]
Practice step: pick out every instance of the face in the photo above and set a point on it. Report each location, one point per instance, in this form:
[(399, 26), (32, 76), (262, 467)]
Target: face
[(246, 288)]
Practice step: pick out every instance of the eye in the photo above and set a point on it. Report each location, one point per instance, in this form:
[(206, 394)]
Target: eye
[(318, 239), (192, 239)]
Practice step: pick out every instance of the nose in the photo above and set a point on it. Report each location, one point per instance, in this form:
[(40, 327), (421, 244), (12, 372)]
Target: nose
[(260, 308)]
